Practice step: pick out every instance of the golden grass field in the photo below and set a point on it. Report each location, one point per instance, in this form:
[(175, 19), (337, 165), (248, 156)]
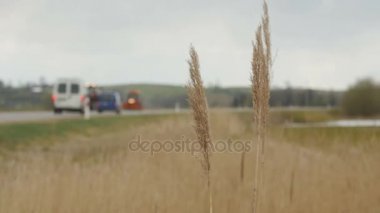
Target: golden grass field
[(98, 173)]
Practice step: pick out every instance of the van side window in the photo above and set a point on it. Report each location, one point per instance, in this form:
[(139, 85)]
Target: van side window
[(61, 88), (74, 88)]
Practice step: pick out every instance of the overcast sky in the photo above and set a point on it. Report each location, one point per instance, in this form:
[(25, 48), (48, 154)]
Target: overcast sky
[(317, 43)]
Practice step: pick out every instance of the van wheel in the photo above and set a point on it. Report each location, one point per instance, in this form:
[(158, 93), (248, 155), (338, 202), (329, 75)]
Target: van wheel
[(57, 111)]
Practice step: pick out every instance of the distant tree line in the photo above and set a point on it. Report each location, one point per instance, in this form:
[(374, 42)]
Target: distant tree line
[(25, 97), (361, 99), (293, 97)]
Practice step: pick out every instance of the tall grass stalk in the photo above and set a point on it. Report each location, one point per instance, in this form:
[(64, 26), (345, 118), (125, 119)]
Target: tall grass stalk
[(261, 65), (198, 102)]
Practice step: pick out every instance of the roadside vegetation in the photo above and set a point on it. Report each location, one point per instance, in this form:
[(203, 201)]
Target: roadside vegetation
[(97, 172), (281, 116), (328, 137)]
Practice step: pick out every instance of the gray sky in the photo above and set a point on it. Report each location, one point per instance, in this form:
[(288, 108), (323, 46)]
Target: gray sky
[(317, 43)]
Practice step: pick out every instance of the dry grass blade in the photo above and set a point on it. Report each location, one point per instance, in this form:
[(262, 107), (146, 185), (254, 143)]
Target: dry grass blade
[(261, 64), (197, 99)]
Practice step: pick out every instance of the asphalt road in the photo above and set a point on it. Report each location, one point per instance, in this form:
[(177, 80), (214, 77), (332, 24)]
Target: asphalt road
[(14, 117)]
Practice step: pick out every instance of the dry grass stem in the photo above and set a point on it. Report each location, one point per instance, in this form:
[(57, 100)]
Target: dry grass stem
[(198, 102), (261, 64)]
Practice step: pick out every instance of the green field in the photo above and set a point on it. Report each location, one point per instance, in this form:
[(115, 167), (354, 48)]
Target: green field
[(17, 135)]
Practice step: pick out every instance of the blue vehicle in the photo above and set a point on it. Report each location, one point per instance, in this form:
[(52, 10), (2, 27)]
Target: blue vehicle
[(109, 102)]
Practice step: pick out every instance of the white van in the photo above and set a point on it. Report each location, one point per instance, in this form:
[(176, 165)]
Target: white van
[(69, 95)]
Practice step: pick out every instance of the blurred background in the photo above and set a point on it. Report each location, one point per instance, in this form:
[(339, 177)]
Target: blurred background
[(62, 61)]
